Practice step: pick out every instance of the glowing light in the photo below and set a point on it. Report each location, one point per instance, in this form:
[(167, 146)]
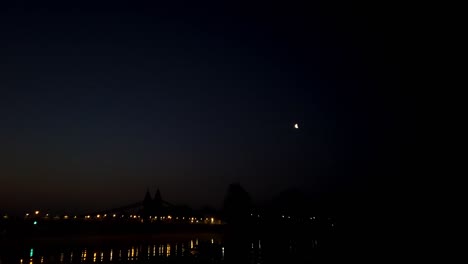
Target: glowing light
[(161, 250), (110, 258), (212, 220), (31, 252), (36, 212), (98, 216), (27, 214), (296, 126), (168, 250), (114, 215), (105, 215), (94, 257), (212, 241), (35, 223), (65, 217)]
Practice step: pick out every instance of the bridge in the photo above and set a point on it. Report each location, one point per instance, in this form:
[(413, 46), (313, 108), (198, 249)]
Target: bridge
[(155, 209), (147, 207), (149, 210)]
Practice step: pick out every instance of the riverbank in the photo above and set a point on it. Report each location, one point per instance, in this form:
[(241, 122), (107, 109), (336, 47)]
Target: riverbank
[(109, 239)]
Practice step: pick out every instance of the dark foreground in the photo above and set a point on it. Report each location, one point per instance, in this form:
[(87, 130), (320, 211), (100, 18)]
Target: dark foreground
[(171, 244)]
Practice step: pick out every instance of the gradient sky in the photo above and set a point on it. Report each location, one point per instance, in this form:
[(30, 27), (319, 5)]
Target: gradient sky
[(100, 102)]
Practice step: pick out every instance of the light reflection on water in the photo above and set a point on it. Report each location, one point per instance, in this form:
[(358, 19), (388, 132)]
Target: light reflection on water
[(209, 250)]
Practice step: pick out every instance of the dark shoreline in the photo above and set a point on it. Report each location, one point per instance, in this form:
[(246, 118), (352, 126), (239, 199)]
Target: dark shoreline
[(109, 232), (109, 239)]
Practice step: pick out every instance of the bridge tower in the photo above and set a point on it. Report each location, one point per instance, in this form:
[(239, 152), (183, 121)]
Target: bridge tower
[(148, 206), (158, 203)]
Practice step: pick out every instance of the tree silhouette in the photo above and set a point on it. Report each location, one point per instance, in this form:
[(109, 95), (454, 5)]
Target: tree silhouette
[(237, 204)]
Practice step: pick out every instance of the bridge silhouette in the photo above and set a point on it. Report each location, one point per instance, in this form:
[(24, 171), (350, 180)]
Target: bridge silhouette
[(147, 206)]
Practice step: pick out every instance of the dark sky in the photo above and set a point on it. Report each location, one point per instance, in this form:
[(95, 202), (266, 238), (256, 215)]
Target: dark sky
[(101, 101)]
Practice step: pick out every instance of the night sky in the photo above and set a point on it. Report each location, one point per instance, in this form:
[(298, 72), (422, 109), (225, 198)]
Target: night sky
[(101, 101)]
